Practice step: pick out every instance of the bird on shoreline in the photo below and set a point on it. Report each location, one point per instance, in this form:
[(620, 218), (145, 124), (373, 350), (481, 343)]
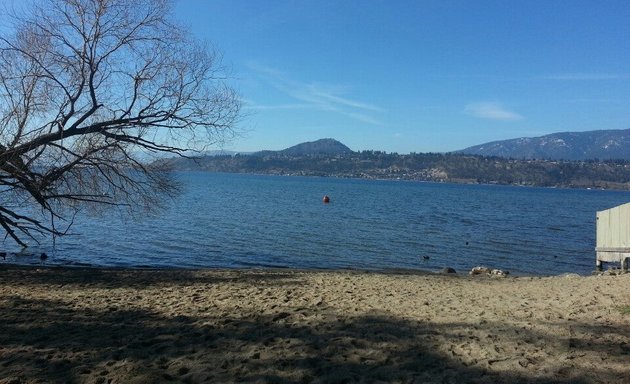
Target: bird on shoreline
[(3, 255), (43, 257)]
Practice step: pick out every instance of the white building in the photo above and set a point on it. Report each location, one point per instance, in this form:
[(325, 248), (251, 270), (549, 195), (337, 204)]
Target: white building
[(613, 236)]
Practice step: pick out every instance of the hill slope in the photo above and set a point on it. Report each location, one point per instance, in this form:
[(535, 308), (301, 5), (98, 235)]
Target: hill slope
[(437, 167), (330, 147), (608, 144)]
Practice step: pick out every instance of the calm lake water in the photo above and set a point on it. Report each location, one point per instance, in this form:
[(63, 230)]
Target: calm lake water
[(235, 221)]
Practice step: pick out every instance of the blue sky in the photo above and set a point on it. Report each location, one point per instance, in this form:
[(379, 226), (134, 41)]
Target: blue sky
[(420, 76), (423, 76)]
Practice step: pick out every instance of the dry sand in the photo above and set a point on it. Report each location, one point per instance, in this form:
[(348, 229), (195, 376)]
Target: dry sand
[(122, 326)]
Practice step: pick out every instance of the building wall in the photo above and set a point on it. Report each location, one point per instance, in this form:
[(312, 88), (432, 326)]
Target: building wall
[(613, 233)]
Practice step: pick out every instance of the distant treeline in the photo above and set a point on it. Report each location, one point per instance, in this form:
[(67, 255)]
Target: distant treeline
[(437, 167)]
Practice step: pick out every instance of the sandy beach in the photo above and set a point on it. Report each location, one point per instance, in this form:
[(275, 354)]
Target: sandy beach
[(284, 326)]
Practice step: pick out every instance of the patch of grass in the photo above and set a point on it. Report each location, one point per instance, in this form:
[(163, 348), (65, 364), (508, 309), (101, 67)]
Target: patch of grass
[(624, 309)]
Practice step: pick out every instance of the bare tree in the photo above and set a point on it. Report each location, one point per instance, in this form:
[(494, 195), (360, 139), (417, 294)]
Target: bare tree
[(88, 89)]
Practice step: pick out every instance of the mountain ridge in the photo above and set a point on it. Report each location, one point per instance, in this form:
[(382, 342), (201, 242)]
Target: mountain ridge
[(330, 158), (613, 144), (325, 146)]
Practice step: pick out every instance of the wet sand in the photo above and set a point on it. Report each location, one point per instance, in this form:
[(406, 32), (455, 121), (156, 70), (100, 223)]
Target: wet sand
[(285, 326)]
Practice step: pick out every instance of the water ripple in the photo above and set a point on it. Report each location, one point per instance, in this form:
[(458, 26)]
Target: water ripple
[(265, 221)]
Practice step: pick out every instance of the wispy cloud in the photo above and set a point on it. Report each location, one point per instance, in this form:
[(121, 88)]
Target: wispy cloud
[(491, 110), (588, 76), (315, 95), (262, 107), (327, 94)]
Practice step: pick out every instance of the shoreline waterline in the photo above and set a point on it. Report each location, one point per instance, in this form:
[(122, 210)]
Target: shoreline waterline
[(264, 269)]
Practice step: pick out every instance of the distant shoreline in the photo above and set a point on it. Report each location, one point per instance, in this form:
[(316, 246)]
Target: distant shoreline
[(433, 167), (620, 187)]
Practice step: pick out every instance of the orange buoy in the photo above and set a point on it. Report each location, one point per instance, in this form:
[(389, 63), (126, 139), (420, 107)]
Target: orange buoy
[(326, 199)]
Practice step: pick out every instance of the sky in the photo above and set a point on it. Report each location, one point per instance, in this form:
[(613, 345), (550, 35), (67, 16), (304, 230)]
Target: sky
[(418, 76)]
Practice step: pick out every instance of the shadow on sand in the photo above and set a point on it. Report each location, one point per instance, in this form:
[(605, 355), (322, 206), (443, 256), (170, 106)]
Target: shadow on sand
[(56, 341)]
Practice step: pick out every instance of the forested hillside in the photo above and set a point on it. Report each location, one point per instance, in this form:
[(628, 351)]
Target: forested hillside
[(422, 167)]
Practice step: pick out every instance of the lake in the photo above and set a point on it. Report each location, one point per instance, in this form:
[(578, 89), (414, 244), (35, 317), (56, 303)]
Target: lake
[(237, 221)]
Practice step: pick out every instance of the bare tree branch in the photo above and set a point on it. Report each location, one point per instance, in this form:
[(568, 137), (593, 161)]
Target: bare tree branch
[(86, 88)]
